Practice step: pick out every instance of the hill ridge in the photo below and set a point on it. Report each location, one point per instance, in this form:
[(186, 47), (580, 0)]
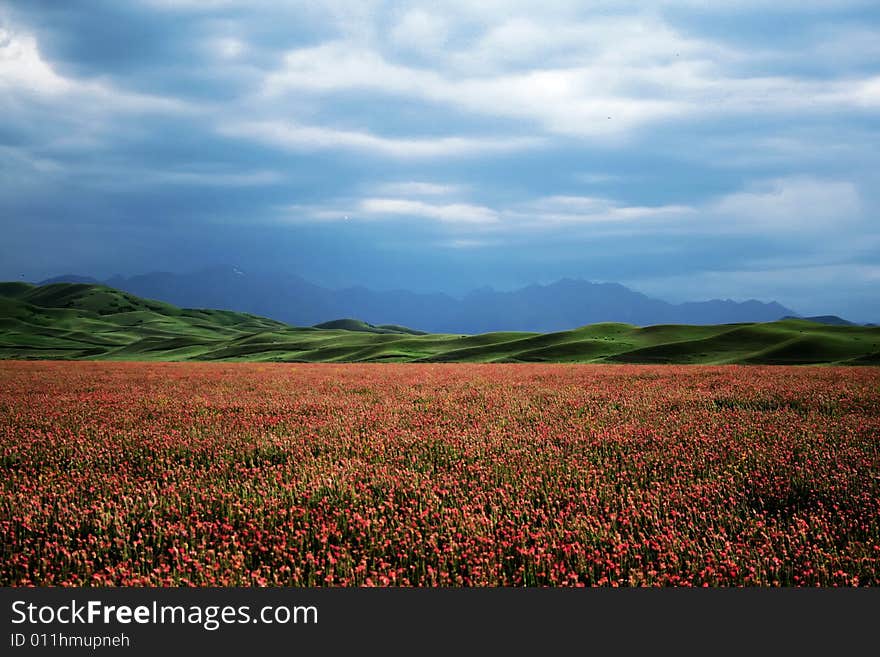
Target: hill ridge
[(86, 321), (537, 307)]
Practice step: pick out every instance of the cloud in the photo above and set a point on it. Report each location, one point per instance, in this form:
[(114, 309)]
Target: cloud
[(417, 188), (17, 159), (465, 244), (289, 135), (795, 207), (24, 72), (22, 67), (865, 93), (420, 31), (794, 204), (581, 100), (340, 65), (195, 5), (543, 213), (597, 178), (597, 78), (225, 47), (725, 6), (216, 178), (195, 177), (387, 209), (455, 213), (561, 210), (554, 136)]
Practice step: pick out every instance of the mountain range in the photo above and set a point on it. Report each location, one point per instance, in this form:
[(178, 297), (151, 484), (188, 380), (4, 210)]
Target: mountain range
[(562, 305), (73, 321)]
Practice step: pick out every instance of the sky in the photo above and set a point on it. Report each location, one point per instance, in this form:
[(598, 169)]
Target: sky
[(688, 149)]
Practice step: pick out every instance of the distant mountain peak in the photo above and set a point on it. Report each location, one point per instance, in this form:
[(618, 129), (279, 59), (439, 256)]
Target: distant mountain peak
[(556, 306), (831, 320), (70, 278)]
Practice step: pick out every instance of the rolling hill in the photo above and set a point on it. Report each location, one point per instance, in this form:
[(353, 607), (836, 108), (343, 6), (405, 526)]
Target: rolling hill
[(86, 321)]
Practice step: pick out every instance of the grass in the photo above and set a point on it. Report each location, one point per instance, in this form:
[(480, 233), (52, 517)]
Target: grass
[(79, 321)]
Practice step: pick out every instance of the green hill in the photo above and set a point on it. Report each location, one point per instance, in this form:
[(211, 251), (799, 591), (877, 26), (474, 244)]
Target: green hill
[(82, 321), (358, 325)]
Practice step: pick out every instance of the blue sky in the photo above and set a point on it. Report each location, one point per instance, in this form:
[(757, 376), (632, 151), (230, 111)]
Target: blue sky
[(689, 149)]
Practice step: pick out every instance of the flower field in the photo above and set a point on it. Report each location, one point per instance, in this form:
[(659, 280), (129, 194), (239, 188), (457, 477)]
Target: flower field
[(430, 474)]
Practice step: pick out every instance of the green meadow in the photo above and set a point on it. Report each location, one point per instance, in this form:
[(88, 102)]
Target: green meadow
[(78, 321)]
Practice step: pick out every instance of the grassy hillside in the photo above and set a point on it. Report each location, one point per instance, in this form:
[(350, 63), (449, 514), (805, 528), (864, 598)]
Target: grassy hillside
[(76, 321), (358, 325)]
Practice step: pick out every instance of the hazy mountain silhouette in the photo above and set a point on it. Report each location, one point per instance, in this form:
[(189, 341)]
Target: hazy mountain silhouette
[(831, 320), (561, 305), (71, 278)]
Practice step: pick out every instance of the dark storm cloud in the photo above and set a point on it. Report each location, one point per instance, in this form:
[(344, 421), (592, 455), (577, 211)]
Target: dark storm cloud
[(691, 150)]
